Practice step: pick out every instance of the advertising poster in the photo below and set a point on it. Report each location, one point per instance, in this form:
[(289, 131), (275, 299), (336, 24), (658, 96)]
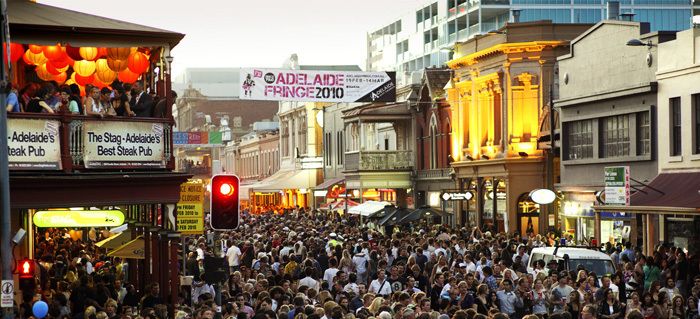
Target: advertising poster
[(123, 145)]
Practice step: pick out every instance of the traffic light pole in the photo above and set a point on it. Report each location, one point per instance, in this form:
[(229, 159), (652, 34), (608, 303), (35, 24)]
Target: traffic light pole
[(5, 221)]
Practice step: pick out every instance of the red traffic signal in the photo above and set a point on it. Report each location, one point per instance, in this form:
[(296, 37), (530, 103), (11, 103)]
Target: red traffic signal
[(224, 202), (26, 268)]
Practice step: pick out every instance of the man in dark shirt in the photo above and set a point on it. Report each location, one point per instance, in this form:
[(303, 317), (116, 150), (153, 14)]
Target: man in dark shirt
[(153, 297), (141, 102), (161, 109)]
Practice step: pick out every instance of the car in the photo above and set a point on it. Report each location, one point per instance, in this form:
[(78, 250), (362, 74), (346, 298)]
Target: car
[(571, 257)]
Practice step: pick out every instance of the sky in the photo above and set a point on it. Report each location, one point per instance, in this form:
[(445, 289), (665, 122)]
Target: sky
[(256, 33)]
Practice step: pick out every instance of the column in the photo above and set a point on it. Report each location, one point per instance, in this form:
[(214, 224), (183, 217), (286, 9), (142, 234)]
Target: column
[(596, 227)]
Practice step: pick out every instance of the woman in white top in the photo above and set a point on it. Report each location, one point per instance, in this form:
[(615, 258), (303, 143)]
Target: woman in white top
[(92, 103)]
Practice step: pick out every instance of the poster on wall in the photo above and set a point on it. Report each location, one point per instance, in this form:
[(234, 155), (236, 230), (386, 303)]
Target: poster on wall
[(33, 144), (317, 86), (123, 145), (617, 185)]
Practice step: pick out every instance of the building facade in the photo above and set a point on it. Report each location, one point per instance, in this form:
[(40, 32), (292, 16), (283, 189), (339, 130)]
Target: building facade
[(502, 86), (413, 41), (608, 114)]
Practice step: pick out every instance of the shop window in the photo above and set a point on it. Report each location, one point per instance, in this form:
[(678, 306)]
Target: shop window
[(579, 139), (643, 133), (675, 117), (615, 136), (528, 215)]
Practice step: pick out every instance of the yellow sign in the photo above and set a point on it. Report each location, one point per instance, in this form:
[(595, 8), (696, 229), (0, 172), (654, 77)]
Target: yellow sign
[(78, 218), (190, 209)]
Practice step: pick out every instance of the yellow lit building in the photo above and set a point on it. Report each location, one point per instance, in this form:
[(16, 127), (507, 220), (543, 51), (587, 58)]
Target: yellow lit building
[(500, 99)]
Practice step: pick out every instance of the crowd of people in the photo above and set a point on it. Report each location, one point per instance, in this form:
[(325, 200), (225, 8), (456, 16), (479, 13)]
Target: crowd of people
[(326, 266), (119, 99)]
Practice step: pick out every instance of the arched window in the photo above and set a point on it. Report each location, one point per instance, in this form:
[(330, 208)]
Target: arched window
[(433, 142)]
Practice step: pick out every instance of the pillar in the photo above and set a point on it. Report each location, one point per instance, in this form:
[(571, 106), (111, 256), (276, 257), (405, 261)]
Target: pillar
[(401, 195), (596, 227)]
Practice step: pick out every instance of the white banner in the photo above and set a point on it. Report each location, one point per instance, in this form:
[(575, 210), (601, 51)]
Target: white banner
[(123, 144), (33, 144), (317, 86)]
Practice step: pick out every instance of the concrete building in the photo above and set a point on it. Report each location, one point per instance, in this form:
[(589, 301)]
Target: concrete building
[(413, 41), (671, 199), (607, 107), (499, 99)]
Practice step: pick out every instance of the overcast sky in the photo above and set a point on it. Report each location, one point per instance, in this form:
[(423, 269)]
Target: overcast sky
[(262, 33)]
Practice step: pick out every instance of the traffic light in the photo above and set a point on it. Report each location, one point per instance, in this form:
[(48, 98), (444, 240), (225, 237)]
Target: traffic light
[(25, 269), (224, 202)]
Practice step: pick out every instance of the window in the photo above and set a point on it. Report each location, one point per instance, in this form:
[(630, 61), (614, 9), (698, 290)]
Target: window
[(433, 143), (696, 122), (675, 108), (579, 136), (643, 133), (615, 136)]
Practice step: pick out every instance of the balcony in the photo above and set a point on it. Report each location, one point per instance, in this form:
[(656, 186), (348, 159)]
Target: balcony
[(399, 160), (66, 142), (432, 174)]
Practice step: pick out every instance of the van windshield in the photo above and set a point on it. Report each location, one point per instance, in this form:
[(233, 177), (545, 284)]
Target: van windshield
[(599, 266)]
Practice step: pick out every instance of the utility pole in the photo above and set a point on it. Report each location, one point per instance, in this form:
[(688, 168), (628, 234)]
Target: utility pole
[(5, 221)]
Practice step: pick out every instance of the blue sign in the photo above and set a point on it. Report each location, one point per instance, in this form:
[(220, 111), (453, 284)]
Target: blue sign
[(179, 138)]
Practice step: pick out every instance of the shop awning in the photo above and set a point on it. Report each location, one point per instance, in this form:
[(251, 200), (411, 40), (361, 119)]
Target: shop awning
[(288, 179), (328, 183), (340, 204), (368, 208), (131, 250), (423, 213), (115, 241)]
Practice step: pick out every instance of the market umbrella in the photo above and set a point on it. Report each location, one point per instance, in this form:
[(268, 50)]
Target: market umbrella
[(394, 216), (131, 250), (422, 213)]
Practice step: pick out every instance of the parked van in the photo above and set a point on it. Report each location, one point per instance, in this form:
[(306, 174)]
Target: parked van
[(571, 257)]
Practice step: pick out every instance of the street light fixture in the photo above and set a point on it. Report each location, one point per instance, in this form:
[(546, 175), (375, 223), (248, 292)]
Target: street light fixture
[(639, 43), (543, 196)]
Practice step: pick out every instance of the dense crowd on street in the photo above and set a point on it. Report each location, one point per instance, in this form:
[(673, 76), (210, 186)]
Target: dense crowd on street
[(308, 265), (117, 100)]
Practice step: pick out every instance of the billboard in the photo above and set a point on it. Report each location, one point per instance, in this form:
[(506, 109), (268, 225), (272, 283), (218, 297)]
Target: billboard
[(123, 145), (617, 185), (317, 86), (33, 144)]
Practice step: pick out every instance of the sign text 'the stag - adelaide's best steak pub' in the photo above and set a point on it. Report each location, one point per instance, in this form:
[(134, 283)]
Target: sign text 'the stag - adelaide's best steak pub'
[(34, 144)]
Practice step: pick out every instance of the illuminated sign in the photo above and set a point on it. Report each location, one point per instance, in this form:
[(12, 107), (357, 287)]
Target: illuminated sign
[(449, 196), (78, 218)]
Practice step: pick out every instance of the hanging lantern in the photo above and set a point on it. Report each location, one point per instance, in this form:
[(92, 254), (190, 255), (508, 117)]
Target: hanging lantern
[(70, 81), (101, 53), (73, 53), (16, 51), (82, 80), (138, 62), (36, 49), (119, 53), (117, 65), (62, 63), (103, 72), (43, 73), (84, 68), (51, 67), (88, 53), (35, 59), (60, 78), (26, 60), (53, 52), (96, 82), (127, 76)]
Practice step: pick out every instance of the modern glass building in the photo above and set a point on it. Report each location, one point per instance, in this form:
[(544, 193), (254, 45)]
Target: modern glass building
[(413, 41)]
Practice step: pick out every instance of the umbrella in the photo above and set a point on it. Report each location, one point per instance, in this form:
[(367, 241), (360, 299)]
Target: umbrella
[(422, 213), (394, 217)]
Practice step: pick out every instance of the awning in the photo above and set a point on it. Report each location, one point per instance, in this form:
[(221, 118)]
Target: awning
[(340, 204), (368, 208), (422, 213), (288, 179), (394, 217), (330, 182), (115, 241), (131, 250)]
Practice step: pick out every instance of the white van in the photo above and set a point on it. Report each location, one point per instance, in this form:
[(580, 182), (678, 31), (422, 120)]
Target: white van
[(591, 259)]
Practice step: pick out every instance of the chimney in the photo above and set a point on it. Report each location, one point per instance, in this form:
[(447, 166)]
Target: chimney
[(613, 10), (516, 15)]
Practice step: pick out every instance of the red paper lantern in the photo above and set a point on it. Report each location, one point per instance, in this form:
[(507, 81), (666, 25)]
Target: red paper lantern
[(138, 62), (73, 53), (127, 76), (36, 49), (35, 59), (43, 73), (51, 67), (83, 80), (119, 53), (101, 53), (53, 52), (62, 63), (16, 52), (117, 65), (60, 78), (88, 53), (84, 68)]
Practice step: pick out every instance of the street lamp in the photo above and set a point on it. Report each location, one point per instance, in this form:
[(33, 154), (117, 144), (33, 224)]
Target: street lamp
[(639, 43), (543, 196)]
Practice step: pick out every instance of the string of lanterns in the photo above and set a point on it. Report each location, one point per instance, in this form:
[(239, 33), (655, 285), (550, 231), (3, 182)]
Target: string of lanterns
[(90, 65)]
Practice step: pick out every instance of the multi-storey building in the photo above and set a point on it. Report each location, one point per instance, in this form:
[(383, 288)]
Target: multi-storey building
[(413, 41), (608, 114)]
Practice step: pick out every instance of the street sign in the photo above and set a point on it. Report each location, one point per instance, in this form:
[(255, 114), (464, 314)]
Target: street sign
[(8, 293), (617, 185), (190, 209), (450, 196)]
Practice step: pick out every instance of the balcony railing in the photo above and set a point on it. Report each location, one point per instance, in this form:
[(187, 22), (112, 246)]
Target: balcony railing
[(379, 160), (433, 174), (70, 142)]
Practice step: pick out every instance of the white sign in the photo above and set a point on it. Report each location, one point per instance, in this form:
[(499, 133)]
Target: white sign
[(123, 144), (317, 86), (8, 293), (617, 185), (33, 144), (457, 196)]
